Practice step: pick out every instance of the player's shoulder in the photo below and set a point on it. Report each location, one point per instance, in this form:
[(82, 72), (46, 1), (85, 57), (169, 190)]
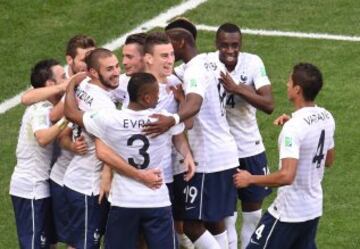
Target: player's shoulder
[(41, 106), (249, 58)]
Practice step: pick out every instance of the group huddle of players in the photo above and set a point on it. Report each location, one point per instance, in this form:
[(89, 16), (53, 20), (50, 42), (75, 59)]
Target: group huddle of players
[(157, 157)]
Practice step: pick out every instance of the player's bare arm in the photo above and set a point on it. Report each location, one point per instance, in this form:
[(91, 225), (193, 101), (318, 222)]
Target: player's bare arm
[(281, 120), (282, 177), (71, 109), (105, 181), (190, 108), (182, 146), (48, 135), (330, 158), (79, 146), (150, 177), (180, 98), (261, 99)]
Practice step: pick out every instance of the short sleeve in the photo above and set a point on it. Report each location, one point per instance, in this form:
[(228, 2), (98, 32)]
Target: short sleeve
[(95, 122), (289, 142), (260, 76), (40, 118), (177, 129), (195, 82)]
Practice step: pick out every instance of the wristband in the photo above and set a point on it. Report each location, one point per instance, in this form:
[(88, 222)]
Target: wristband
[(177, 118), (62, 123)]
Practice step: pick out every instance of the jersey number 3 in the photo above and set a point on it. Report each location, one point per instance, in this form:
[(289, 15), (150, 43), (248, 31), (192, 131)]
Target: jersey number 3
[(142, 151), (319, 156)]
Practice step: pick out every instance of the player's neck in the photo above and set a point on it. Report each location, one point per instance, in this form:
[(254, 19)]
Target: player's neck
[(190, 53), (136, 106), (160, 78), (302, 103)]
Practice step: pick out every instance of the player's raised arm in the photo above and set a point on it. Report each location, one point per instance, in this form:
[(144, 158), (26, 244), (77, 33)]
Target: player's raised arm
[(71, 110)]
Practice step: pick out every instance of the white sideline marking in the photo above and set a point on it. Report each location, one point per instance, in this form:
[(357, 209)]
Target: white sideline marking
[(159, 20), (287, 34)]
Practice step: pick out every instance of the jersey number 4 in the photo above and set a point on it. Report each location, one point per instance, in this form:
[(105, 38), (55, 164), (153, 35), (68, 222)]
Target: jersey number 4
[(142, 151), (319, 156)]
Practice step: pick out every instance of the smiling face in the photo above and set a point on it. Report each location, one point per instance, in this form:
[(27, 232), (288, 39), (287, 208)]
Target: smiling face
[(229, 45), (109, 71), (161, 61), (133, 60)]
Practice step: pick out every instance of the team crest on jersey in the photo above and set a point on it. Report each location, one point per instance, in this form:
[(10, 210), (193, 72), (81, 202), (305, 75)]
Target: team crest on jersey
[(96, 236), (288, 142), (210, 66), (42, 241), (243, 78)]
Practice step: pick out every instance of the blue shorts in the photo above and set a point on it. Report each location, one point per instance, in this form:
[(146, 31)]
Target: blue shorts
[(125, 224), (273, 234), (256, 165), (60, 211), (87, 220), (207, 197), (33, 222)]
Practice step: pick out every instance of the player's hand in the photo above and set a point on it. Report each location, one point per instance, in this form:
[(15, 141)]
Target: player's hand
[(189, 167), (76, 79), (160, 126), (241, 178), (281, 120), (228, 82), (178, 91), (80, 146), (105, 185), (152, 178)]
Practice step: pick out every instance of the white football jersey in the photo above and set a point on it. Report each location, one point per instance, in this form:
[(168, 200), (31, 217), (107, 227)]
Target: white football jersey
[(83, 172), (241, 115), (307, 137), (213, 146), (122, 131), (31, 173), (120, 94)]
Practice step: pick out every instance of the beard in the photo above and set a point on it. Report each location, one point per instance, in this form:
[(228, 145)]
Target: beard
[(107, 83)]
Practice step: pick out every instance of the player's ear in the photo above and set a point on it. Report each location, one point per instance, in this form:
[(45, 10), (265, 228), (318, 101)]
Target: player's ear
[(93, 73), (69, 60), (148, 59)]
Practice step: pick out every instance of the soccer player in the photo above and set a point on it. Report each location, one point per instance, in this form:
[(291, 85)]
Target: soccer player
[(29, 185), (243, 76), (209, 196), (306, 145), (135, 205), (82, 177), (76, 49)]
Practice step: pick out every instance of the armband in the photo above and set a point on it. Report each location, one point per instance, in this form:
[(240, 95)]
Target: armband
[(62, 123)]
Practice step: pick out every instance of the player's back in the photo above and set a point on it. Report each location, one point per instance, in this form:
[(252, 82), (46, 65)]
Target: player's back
[(307, 136), (122, 131)]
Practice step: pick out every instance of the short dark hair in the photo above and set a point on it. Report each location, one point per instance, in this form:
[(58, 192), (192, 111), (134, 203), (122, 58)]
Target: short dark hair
[(79, 41), (93, 56), (136, 84), (139, 39), (183, 23), (42, 71), (228, 28), (155, 38), (309, 78)]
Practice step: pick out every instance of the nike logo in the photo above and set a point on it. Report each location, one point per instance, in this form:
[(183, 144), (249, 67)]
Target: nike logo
[(254, 242), (188, 208)]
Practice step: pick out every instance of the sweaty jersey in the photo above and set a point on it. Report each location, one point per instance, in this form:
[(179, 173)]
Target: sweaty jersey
[(122, 131), (213, 146), (307, 137), (83, 172), (31, 173), (241, 115)]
